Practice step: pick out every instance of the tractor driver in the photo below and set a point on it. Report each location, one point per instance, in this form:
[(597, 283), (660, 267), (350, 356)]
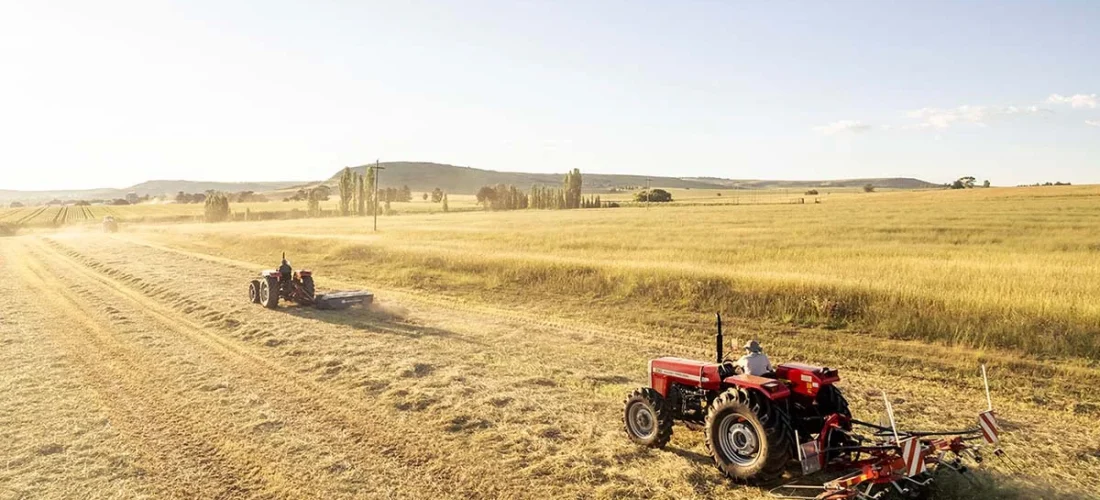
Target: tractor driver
[(285, 270), (755, 362)]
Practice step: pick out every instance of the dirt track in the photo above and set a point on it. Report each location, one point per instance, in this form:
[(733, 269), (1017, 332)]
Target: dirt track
[(138, 370)]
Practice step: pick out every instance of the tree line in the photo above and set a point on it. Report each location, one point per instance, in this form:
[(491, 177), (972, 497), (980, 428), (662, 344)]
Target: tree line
[(568, 196)]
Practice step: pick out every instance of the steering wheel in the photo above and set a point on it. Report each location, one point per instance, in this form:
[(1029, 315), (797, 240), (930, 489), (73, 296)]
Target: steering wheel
[(729, 368)]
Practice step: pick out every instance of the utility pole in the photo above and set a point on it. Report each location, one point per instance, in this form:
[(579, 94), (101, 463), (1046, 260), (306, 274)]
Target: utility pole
[(377, 170), (647, 193)]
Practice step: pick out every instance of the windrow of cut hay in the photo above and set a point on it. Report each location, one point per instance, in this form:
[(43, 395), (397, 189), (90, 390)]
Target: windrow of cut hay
[(656, 291)]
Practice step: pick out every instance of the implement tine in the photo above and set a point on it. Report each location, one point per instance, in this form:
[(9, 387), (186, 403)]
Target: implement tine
[(1014, 466)]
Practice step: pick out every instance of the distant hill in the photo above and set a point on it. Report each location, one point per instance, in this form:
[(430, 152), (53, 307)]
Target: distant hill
[(161, 187), (151, 188), (879, 182), (425, 176)]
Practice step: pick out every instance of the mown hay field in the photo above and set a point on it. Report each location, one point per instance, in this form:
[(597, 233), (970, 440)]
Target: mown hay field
[(55, 215), (496, 357), (1014, 268)]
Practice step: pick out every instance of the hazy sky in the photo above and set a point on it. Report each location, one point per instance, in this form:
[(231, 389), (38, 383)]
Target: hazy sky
[(106, 93)]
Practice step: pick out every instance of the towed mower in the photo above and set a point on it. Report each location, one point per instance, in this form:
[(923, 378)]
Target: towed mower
[(758, 420), (297, 286)]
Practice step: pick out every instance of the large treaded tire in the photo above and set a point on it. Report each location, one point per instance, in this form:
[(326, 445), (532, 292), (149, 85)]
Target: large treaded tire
[(269, 292), (308, 289), (830, 401), (647, 418), (752, 415), (254, 291)]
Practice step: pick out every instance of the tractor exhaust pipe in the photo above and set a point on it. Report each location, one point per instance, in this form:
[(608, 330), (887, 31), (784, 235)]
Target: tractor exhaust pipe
[(718, 340)]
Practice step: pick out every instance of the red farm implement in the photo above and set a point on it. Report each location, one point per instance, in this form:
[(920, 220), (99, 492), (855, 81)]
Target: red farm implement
[(758, 421)]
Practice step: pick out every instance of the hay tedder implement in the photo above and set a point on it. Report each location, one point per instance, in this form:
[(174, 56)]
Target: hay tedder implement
[(297, 286), (758, 421)]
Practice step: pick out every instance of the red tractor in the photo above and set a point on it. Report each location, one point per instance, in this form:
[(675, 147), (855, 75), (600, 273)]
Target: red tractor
[(759, 420), (297, 286)]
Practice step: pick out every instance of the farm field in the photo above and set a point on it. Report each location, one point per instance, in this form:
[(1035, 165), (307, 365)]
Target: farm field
[(496, 360), (55, 216)]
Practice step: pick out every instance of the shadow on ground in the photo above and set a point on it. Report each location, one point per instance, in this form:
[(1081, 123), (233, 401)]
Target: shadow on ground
[(375, 319)]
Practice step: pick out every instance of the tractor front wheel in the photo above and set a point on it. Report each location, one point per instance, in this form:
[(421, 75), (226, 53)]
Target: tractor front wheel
[(647, 418), (269, 292), (254, 291), (747, 436)]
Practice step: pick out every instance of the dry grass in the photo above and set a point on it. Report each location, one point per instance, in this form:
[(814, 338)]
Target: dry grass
[(56, 216), (495, 365), (1004, 268)]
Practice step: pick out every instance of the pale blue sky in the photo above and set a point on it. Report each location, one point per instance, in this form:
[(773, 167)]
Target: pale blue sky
[(113, 93)]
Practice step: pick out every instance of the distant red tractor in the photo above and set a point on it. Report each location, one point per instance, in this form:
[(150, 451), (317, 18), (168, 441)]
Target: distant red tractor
[(758, 420), (297, 286)]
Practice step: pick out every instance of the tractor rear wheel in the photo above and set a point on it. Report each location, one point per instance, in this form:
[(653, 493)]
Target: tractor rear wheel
[(747, 436), (831, 401), (308, 289), (254, 291), (269, 292), (647, 418)]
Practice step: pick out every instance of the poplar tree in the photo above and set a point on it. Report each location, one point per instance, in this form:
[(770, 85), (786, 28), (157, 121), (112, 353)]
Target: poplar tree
[(372, 203), (360, 194), (347, 183)]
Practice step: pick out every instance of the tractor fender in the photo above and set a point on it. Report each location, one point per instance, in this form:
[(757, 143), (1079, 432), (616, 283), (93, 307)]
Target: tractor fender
[(806, 379), (770, 387)]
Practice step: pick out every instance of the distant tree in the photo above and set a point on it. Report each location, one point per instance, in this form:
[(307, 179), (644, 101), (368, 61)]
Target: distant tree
[(361, 195), (313, 203), (985, 183), (424, 197), (868, 188), (217, 208), (572, 187), (181, 197), (372, 202), (437, 195), (119, 201), (15, 204), (347, 190), (655, 195), (486, 195), (405, 194), (445, 207), (811, 192), (963, 183)]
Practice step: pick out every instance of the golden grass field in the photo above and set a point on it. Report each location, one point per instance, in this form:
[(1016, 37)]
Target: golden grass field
[(495, 361)]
